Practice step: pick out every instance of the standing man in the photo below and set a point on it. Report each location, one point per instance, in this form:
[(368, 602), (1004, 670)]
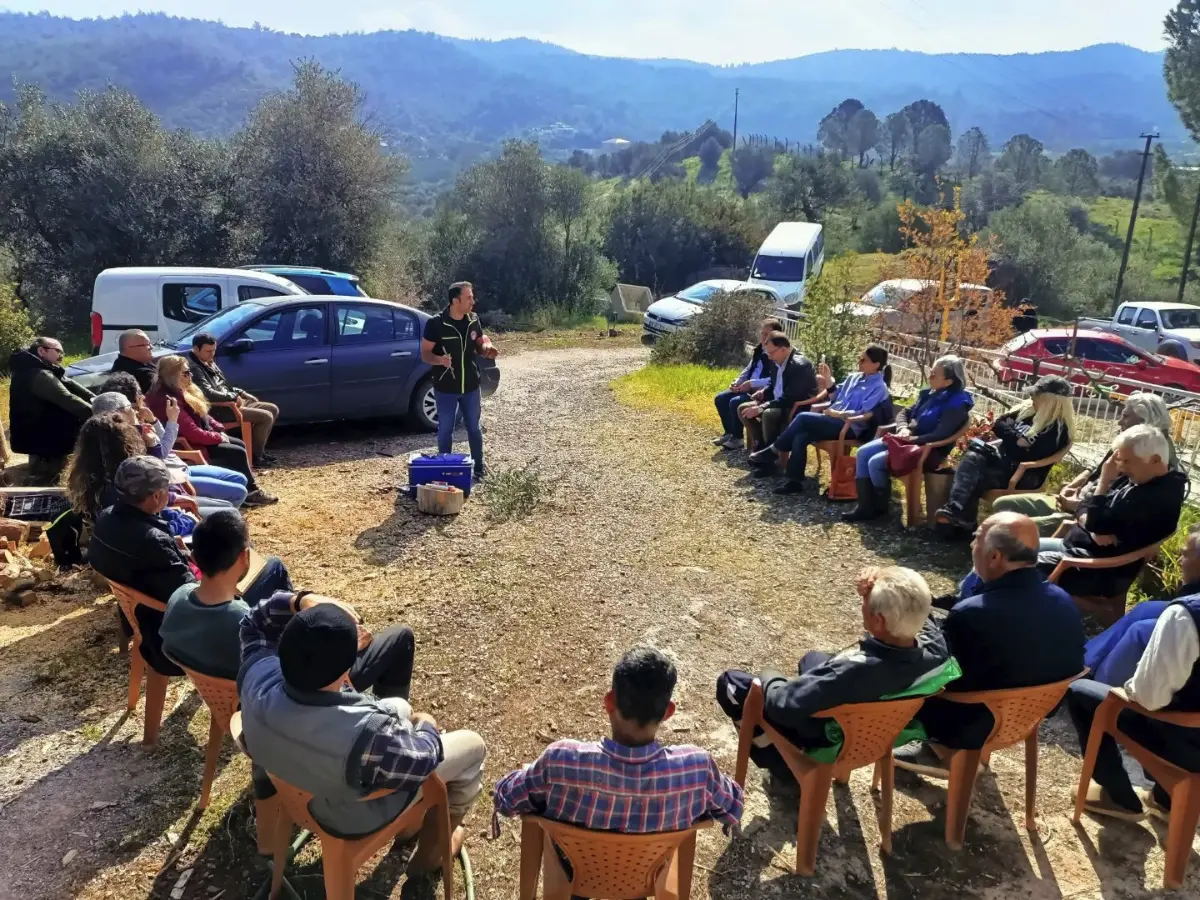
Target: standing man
[(135, 356), (207, 376), (452, 340), (47, 409)]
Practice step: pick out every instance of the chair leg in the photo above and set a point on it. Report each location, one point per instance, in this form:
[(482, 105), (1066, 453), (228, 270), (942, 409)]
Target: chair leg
[(211, 754), (1100, 724), (446, 840), (278, 827), (338, 871), (885, 772), (814, 793), (1031, 773), (137, 666), (266, 824), (156, 696), (964, 768), (555, 885), (1185, 813), (912, 499), (531, 860), (685, 860)]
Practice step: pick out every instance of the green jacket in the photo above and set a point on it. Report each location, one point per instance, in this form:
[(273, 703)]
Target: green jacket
[(46, 407)]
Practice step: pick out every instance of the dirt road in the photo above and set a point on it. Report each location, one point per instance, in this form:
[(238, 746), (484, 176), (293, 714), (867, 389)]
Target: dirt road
[(648, 536)]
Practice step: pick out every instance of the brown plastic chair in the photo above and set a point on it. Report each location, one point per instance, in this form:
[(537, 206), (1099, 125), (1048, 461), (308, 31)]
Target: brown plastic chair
[(220, 695), (869, 729), (245, 428), (914, 511), (1017, 713), (341, 858), (1106, 609), (156, 683), (1022, 469), (1182, 785), (191, 457), (605, 863)]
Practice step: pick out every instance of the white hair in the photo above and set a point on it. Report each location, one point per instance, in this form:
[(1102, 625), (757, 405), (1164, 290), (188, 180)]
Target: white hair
[(902, 597), (952, 367), (1145, 442), (1150, 409)]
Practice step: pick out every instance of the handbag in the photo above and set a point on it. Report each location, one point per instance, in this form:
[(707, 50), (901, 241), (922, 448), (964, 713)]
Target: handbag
[(841, 479), (903, 457)]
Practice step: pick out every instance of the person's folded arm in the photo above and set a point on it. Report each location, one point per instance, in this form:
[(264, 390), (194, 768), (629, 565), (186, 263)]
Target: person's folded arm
[(262, 626), (791, 702), (46, 387), (522, 792), (1168, 660), (400, 756)]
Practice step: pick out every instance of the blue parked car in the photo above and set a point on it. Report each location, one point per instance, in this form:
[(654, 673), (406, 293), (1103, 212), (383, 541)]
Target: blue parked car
[(315, 280), (318, 357)]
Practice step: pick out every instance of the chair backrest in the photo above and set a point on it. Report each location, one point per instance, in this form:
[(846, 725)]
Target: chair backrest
[(869, 730), (295, 800), (1016, 711), (220, 695), (612, 865), (129, 600)]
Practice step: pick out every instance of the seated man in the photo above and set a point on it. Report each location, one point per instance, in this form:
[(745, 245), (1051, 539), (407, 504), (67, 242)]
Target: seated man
[(1013, 630), (1136, 503), (628, 783), (135, 356), (132, 545), (1167, 678), (754, 378), (1113, 656), (304, 722), (207, 376), (46, 409), (201, 627), (793, 381), (904, 650)]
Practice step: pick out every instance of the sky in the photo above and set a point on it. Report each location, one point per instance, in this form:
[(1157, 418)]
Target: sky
[(713, 31)]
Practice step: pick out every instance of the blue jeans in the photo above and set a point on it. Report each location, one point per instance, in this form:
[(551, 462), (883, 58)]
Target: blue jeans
[(807, 428), (871, 462), (1113, 654), (728, 403), (218, 483), (273, 577), (448, 406)]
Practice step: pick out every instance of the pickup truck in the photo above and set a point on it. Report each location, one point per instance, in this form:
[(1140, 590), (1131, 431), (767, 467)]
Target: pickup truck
[(1169, 329)]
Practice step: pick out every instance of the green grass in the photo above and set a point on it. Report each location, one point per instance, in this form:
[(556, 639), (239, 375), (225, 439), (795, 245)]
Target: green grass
[(868, 269), (681, 390), (554, 315), (1158, 237)]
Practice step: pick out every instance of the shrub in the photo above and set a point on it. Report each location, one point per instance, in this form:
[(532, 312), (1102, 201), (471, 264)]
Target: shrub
[(1163, 576), (829, 329), (515, 493), (16, 328), (718, 334)]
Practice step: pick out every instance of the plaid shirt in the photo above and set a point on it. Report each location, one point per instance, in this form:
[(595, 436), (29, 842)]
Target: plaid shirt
[(607, 786), (398, 755)]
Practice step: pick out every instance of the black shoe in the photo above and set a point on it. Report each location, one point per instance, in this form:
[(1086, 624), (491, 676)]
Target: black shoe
[(263, 462), (260, 498), (764, 457), (269, 457), (790, 487), (482, 472), (867, 507)]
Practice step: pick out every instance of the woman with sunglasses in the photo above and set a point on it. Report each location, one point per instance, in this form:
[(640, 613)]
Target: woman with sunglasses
[(173, 379)]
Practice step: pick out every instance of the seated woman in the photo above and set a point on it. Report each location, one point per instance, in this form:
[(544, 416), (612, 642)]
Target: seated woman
[(855, 399), (209, 482), (941, 411), (1050, 512), (1036, 429), (105, 441), (173, 381)]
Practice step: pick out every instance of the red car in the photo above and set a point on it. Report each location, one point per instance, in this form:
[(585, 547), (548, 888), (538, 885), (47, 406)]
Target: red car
[(1102, 354)]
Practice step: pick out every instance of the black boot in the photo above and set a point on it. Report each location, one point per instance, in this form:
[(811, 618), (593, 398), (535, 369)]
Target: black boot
[(867, 507), (883, 498)]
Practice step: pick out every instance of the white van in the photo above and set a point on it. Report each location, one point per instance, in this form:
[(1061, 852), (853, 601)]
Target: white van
[(164, 300), (793, 253)]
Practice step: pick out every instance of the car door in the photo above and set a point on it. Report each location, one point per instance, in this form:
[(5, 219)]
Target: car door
[(1146, 330), (372, 359), (288, 360)]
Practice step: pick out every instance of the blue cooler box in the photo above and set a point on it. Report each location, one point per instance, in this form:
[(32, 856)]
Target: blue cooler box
[(453, 468)]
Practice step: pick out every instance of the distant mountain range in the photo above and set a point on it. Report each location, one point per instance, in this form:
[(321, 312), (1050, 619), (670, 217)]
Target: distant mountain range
[(443, 98)]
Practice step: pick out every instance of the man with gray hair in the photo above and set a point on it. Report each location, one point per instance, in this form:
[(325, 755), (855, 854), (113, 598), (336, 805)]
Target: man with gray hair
[(1136, 503), (135, 355), (1013, 629), (902, 652)]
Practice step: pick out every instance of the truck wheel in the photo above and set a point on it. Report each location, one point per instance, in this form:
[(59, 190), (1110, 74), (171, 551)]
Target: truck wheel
[(1173, 350), (422, 408)]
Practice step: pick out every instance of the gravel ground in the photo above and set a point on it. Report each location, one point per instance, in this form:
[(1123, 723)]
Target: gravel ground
[(648, 536)]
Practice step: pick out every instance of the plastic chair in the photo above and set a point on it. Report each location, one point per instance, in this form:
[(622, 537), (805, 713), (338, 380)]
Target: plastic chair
[(1182, 785), (1106, 609), (869, 729), (220, 695), (605, 863), (342, 858), (1017, 713), (914, 511), (191, 457), (1022, 469), (156, 683), (246, 429)]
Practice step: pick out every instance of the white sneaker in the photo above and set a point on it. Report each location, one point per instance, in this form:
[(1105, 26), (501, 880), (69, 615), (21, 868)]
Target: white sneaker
[(720, 441)]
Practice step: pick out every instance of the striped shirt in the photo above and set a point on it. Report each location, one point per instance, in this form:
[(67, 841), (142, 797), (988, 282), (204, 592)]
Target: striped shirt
[(607, 786)]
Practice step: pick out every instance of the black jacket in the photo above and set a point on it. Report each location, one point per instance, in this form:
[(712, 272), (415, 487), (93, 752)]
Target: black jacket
[(799, 383), (1049, 441), (143, 372), (137, 550), (861, 674), (211, 381), (46, 409)]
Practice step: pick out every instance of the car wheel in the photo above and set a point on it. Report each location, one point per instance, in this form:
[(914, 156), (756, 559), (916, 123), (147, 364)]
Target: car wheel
[(423, 406)]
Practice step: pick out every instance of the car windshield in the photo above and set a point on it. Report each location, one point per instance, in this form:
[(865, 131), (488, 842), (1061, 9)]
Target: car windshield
[(886, 295), (1181, 317), (698, 293), (778, 268), (221, 322)]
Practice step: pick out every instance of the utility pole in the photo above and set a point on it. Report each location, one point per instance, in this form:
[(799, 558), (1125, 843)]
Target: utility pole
[(1187, 254), (1137, 200), (736, 93)]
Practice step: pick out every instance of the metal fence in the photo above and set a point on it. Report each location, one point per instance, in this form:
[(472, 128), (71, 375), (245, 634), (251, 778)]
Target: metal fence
[(1095, 416)]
